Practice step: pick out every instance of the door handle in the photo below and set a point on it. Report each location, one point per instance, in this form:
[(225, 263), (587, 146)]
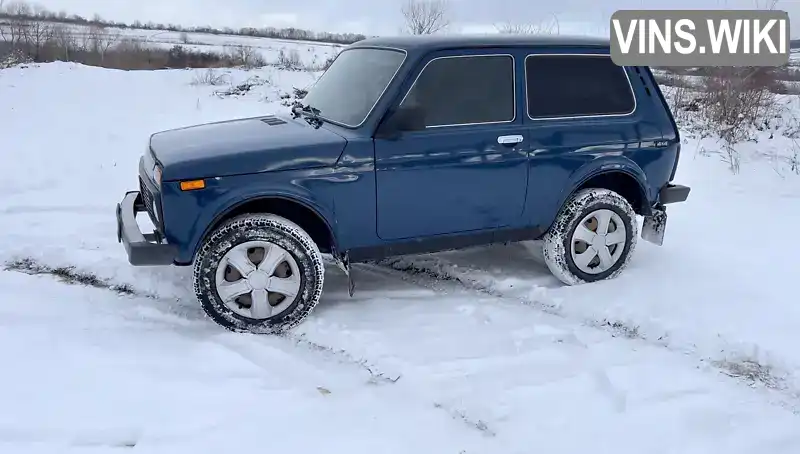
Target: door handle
[(509, 140)]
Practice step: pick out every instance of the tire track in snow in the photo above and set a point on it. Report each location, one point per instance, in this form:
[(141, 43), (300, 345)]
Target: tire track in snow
[(593, 365), (427, 271), (175, 313), (424, 272), (260, 351)]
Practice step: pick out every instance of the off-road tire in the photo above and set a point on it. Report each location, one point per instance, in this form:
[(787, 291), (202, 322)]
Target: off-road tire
[(259, 227), (557, 240)]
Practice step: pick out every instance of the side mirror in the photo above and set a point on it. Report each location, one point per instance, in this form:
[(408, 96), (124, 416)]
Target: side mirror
[(406, 118)]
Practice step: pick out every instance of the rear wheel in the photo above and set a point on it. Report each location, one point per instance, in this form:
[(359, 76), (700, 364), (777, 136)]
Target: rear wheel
[(592, 238), (259, 273)]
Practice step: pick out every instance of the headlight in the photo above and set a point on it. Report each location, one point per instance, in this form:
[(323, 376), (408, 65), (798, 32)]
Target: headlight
[(157, 175)]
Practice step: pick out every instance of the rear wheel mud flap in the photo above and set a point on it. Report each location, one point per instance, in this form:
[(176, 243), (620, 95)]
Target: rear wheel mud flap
[(655, 226), (343, 262)]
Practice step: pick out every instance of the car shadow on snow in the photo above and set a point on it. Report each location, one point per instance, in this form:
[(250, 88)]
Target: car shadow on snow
[(501, 269)]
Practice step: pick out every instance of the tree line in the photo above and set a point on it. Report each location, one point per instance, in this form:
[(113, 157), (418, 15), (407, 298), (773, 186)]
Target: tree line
[(16, 10)]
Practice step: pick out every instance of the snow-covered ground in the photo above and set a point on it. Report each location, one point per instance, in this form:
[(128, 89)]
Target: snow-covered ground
[(166, 36), (311, 53), (691, 350)]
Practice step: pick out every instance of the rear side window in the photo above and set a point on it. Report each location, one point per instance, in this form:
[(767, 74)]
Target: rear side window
[(576, 86), (465, 90)]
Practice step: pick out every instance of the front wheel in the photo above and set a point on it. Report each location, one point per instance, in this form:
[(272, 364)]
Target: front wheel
[(592, 238), (259, 273)]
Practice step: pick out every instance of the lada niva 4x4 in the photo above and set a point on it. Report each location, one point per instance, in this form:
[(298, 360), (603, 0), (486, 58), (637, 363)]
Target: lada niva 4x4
[(412, 145)]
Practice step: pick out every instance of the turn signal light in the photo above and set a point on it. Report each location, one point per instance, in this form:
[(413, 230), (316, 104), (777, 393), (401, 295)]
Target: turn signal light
[(192, 185)]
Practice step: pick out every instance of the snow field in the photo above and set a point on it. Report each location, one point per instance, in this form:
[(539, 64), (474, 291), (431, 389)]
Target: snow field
[(310, 53), (503, 360)]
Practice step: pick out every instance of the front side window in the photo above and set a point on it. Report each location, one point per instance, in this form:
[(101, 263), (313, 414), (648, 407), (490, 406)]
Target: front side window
[(576, 86), (347, 92), (465, 90)]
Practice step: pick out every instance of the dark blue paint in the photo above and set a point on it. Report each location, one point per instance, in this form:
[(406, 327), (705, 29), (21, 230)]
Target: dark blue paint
[(429, 184), (449, 180), (244, 146)]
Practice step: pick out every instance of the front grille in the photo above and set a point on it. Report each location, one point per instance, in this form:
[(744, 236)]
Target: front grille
[(149, 204)]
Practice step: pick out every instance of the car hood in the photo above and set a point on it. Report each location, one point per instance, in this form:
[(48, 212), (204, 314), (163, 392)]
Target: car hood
[(242, 146)]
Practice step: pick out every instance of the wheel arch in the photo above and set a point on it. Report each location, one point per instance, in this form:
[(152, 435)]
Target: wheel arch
[(622, 181), (300, 212), (626, 180)]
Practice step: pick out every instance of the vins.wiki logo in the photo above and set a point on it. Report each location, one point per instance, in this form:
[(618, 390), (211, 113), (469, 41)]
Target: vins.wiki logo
[(700, 38)]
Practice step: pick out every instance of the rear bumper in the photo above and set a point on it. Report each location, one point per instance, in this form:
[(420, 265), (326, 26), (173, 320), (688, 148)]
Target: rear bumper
[(673, 193), (144, 249), (655, 223)]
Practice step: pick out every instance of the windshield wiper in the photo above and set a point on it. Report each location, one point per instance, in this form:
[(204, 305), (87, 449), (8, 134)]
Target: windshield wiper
[(309, 113)]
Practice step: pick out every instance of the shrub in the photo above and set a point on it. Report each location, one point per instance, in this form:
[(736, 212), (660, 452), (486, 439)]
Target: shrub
[(10, 58), (245, 56), (290, 60), (328, 62), (736, 100), (210, 77)]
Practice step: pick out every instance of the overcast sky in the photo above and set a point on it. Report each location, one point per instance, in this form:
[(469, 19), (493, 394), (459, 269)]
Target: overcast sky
[(383, 16)]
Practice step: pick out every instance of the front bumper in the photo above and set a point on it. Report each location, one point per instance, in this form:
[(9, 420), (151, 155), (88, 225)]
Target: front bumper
[(144, 249)]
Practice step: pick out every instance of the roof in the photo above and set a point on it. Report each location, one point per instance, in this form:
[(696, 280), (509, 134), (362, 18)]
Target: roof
[(438, 42)]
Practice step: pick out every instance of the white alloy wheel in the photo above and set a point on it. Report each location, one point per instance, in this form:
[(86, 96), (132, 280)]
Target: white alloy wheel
[(592, 238), (258, 279), (598, 241), (258, 273)]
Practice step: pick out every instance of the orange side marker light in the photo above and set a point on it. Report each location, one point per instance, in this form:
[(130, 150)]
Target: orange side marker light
[(192, 185)]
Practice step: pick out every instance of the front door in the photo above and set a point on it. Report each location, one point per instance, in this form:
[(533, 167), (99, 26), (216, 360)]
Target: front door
[(468, 170)]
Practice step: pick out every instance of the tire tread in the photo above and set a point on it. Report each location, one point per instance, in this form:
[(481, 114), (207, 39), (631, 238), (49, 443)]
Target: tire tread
[(257, 224), (554, 246)]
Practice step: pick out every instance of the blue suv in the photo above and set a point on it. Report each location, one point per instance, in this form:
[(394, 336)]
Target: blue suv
[(412, 145)]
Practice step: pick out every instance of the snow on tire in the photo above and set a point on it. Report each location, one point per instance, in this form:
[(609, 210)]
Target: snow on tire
[(258, 273), (592, 238)]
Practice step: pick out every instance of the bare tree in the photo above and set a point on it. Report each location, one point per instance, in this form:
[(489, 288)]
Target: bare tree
[(36, 35), (544, 28), (100, 40), (426, 17), (18, 8), (63, 40), (14, 32)]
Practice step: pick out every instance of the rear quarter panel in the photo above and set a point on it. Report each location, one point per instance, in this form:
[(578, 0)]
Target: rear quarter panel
[(566, 152)]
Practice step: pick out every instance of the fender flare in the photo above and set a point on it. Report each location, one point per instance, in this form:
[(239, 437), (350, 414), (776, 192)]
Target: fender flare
[(231, 206), (618, 165)]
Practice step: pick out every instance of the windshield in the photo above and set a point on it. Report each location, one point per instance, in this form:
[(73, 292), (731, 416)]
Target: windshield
[(350, 88)]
